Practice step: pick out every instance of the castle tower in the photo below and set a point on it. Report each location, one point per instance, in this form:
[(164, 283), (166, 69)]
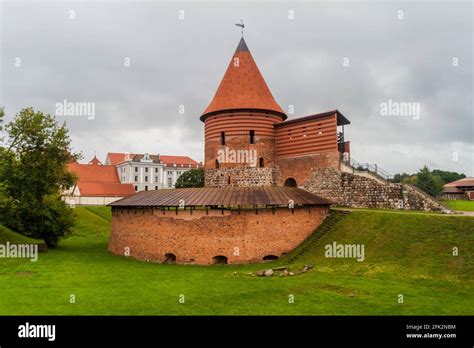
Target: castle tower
[(239, 126)]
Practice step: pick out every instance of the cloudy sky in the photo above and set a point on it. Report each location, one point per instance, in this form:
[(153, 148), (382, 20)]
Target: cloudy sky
[(315, 55)]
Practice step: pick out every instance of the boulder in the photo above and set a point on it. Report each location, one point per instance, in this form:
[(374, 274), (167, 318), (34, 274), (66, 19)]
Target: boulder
[(268, 272)]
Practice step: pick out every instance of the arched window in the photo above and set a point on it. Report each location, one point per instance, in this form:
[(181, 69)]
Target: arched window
[(219, 260), (170, 258), (261, 163), (290, 182), (217, 164), (270, 258)]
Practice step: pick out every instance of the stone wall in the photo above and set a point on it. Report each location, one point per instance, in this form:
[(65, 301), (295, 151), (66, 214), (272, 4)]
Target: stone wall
[(361, 191), (242, 236), (241, 177)]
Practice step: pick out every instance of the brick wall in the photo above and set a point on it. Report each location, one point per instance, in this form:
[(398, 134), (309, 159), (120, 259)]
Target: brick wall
[(197, 237), (236, 127), (301, 168)]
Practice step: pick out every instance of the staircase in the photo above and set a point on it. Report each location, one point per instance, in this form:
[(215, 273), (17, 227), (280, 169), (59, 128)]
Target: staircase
[(374, 172), (368, 170)]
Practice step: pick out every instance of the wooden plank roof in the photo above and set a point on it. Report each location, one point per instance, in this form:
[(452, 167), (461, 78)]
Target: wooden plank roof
[(228, 196)]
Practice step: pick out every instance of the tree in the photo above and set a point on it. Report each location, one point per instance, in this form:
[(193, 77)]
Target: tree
[(428, 182), (400, 177), (431, 180), (447, 176), (2, 138), (2, 113), (191, 178), (33, 170)]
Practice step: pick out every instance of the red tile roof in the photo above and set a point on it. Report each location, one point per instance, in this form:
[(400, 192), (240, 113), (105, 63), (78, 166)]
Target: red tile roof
[(243, 86), (469, 181), (178, 160), (94, 173), (95, 161), (116, 158), (107, 189), (94, 179)]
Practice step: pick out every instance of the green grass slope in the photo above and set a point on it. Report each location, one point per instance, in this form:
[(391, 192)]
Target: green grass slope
[(460, 205), (7, 235), (409, 254)]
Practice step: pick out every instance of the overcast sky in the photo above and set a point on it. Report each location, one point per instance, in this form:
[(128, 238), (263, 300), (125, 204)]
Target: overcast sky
[(176, 61)]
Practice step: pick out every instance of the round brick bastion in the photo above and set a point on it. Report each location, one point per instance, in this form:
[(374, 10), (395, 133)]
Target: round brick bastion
[(214, 225)]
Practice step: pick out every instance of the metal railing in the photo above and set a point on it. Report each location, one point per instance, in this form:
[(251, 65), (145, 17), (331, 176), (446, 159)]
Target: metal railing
[(367, 167)]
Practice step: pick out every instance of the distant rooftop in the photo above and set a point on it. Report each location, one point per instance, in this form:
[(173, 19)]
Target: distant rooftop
[(115, 158)]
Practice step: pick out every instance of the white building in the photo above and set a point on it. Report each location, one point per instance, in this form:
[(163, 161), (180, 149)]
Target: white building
[(150, 172)]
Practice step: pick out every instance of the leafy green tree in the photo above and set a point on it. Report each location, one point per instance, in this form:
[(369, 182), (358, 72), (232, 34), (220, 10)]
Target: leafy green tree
[(447, 176), (2, 138), (33, 170), (191, 178), (400, 177), (2, 113), (428, 182)]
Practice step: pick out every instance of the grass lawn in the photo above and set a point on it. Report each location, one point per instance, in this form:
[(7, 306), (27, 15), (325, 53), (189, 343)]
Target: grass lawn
[(7, 235), (409, 254), (460, 205)]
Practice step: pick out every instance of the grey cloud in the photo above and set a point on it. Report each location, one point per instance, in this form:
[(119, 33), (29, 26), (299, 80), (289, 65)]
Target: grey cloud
[(180, 62)]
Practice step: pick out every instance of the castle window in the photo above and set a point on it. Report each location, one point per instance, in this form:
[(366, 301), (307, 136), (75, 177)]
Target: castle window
[(146, 169), (270, 258), (222, 138), (136, 188), (170, 182), (136, 178), (146, 188), (156, 187), (156, 170), (219, 260), (136, 169), (252, 135), (217, 164), (260, 162), (146, 178), (170, 258), (290, 182)]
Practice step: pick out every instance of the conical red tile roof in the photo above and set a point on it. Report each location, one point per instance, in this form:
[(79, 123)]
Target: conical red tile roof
[(243, 86)]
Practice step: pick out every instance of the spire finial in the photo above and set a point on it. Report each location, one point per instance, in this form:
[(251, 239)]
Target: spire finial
[(242, 26)]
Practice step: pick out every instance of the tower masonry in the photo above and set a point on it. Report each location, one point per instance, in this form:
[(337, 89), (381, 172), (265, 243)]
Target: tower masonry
[(250, 143)]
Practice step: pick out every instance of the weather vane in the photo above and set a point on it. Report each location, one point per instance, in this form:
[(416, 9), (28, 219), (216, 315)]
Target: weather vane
[(242, 26)]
